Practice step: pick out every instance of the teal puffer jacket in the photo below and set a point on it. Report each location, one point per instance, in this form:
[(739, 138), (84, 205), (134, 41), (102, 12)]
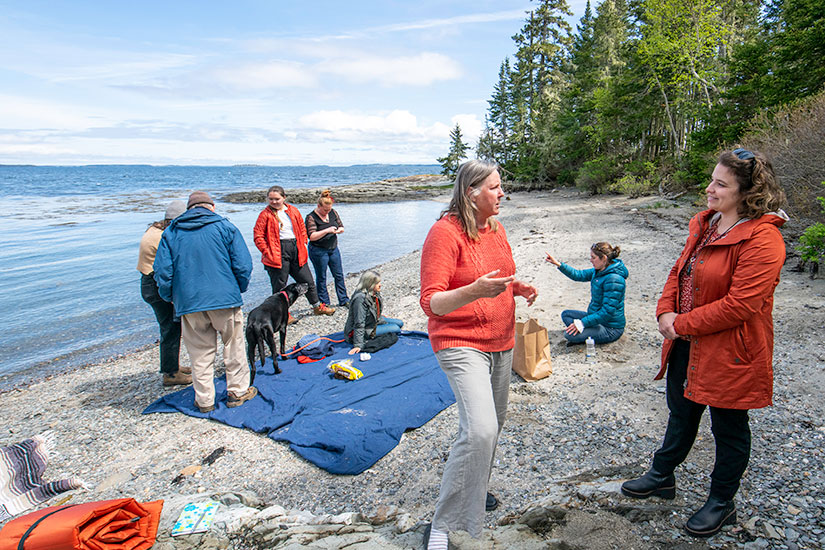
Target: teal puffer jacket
[(606, 293)]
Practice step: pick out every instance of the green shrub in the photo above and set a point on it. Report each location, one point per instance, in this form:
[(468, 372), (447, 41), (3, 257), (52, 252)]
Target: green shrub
[(633, 186), (812, 241), (594, 175)]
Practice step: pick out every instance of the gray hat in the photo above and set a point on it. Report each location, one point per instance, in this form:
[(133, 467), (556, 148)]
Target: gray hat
[(175, 209), (199, 197)]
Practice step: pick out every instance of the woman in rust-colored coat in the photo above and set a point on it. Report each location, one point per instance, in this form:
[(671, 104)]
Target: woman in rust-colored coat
[(716, 316)]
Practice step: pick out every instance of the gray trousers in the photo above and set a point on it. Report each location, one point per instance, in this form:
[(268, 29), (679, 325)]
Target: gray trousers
[(481, 384)]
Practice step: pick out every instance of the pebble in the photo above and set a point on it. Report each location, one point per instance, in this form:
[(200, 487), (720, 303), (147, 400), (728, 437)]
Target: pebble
[(569, 441)]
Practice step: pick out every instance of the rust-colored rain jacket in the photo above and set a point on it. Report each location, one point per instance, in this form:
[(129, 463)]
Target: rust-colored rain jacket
[(121, 524), (268, 240), (731, 323)]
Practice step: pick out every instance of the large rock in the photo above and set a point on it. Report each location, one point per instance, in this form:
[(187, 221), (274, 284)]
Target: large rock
[(421, 187)]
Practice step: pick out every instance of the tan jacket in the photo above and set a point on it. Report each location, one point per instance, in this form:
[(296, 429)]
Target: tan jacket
[(148, 249)]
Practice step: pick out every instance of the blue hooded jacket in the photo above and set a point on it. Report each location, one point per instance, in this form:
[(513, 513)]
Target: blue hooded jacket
[(606, 293), (202, 263)]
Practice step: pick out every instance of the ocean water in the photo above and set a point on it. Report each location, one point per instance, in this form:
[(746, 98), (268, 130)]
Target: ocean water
[(69, 289)]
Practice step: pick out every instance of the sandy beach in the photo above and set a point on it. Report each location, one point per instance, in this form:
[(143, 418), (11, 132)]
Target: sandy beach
[(569, 441)]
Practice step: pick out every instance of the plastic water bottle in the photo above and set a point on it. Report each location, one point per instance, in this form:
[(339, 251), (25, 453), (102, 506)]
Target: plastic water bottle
[(590, 350)]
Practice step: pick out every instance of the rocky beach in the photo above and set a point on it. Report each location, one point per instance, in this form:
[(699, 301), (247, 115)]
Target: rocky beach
[(569, 442)]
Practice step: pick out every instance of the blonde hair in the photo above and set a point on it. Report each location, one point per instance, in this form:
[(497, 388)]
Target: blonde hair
[(758, 187), (368, 281), (326, 198), (467, 180), (604, 250)]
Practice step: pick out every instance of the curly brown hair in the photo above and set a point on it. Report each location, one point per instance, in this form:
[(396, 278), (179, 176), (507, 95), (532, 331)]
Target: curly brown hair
[(758, 186)]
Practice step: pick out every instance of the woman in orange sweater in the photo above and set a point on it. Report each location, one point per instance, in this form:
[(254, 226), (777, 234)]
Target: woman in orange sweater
[(716, 316), (467, 288)]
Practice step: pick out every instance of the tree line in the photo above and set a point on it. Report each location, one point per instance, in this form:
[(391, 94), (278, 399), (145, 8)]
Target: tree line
[(643, 94)]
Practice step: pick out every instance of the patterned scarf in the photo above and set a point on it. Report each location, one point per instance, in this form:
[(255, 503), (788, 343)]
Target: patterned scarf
[(21, 472)]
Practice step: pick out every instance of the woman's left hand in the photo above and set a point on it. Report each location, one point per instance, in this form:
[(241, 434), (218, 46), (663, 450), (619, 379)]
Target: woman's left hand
[(666, 327), (528, 292), (571, 329)]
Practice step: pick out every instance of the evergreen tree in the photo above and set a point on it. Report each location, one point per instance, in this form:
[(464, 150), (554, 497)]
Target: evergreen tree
[(458, 151), (538, 83)]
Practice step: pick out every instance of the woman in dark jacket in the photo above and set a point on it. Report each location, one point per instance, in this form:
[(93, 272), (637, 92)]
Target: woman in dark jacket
[(604, 319), (364, 320), (323, 227), (716, 316)]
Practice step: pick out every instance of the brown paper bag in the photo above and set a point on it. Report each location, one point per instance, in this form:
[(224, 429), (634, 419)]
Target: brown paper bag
[(531, 356)]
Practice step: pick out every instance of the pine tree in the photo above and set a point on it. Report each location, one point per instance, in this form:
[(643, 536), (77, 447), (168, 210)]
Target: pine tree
[(458, 151)]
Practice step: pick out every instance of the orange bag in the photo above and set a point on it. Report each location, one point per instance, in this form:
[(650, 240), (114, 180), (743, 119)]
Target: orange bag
[(120, 524)]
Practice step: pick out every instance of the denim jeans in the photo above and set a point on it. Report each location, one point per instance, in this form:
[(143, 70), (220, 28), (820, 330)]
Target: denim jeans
[(169, 328), (321, 259), (388, 324), (481, 384), (730, 427), (600, 333)]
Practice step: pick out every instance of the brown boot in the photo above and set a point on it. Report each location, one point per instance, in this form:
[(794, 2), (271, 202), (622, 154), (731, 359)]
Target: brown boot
[(291, 320), (323, 309), (233, 400), (177, 379)]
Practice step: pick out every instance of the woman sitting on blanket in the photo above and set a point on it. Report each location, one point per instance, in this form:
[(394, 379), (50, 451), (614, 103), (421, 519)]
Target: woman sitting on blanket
[(604, 319), (364, 321)]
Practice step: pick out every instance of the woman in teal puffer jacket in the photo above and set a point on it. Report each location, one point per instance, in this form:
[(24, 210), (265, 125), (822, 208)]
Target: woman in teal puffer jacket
[(604, 319)]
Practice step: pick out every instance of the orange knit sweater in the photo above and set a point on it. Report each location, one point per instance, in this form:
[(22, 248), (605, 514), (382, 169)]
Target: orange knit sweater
[(450, 259)]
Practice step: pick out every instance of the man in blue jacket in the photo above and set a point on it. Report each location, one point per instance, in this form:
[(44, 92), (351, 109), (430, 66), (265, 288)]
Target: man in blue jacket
[(202, 266)]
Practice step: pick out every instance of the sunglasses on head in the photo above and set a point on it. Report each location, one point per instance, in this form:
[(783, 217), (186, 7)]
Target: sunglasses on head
[(743, 154)]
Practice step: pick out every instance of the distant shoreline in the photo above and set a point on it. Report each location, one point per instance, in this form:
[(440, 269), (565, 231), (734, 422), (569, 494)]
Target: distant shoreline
[(420, 187)]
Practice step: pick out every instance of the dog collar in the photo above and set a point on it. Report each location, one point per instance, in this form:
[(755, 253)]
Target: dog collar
[(283, 292)]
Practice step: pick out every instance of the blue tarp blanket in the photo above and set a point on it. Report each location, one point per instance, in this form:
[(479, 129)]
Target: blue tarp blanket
[(341, 426)]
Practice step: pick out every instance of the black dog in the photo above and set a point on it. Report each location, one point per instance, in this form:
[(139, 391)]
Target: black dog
[(267, 319)]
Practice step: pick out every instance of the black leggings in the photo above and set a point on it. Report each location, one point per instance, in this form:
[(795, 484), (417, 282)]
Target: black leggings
[(730, 428), (278, 277)]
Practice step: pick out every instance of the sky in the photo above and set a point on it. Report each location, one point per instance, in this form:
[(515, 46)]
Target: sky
[(251, 81)]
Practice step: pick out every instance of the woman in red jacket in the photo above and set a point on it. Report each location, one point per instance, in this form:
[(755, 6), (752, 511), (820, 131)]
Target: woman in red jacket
[(281, 237), (716, 316), (467, 288)]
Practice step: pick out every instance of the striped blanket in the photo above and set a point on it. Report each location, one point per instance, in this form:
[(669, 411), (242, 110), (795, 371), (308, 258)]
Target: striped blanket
[(21, 476)]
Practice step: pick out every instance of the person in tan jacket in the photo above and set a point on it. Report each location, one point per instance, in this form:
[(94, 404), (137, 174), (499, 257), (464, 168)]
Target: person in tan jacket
[(164, 311)]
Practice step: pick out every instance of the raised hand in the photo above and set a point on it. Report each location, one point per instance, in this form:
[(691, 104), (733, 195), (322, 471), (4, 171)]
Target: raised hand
[(552, 260)]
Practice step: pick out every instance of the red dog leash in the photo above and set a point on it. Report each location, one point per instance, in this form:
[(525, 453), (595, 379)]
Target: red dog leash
[(308, 343)]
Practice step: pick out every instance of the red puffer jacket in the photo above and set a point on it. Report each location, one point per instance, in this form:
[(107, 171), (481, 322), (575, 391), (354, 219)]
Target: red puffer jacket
[(731, 323), (268, 240)]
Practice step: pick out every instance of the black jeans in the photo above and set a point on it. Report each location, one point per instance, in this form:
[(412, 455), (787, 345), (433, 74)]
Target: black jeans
[(169, 328), (278, 277), (730, 428)]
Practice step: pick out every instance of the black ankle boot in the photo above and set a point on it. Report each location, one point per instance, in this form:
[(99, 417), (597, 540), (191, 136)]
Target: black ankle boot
[(711, 517), (652, 484)]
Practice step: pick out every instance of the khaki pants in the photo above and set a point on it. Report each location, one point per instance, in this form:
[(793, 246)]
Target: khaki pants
[(481, 383), (200, 335)]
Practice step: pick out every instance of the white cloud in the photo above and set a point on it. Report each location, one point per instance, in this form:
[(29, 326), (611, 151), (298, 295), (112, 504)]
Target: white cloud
[(416, 70), (454, 21), (270, 74), (344, 126), (471, 127), (23, 113)]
